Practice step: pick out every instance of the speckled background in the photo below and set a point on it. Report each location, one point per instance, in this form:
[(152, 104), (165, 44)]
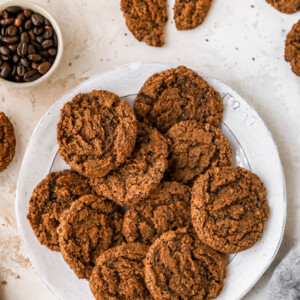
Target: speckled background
[(239, 44)]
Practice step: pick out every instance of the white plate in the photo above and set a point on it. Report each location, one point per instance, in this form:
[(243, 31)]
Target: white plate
[(253, 148)]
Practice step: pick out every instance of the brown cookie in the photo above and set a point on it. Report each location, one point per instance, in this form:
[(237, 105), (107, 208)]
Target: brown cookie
[(120, 274), (96, 132), (146, 20), (166, 208), (134, 180), (189, 14), (88, 228), (195, 148), (7, 142), (285, 6), (292, 48), (50, 198), (178, 95), (229, 209), (180, 267)]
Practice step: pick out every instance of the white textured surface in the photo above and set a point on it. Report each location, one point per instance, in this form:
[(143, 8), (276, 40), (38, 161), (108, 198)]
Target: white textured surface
[(95, 41)]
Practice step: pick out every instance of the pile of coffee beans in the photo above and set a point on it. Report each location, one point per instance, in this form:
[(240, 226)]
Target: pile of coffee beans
[(28, 44)]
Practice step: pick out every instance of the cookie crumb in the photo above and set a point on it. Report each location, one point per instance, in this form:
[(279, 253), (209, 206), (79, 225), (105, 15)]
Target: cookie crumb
[(125, 34), (18, 277), (70, 64), (252, 6), (236, 48), (4, 282), (207, 40), (253, 58)]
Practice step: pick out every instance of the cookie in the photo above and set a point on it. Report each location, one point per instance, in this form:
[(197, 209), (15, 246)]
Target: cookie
[(229, 209), (50, 198), (146, 19), (166, 208), (178, 95), (195, 148), (7, 142), (178, 266), (119, 274), (96, 132), (188, 14), (285, 6), (88, 228), (135, 179), (292, 48)]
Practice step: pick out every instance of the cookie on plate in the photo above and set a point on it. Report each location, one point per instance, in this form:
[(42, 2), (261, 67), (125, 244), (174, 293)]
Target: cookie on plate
[(143, 171), (292, 48), (229, 209), (7, 142), (179, 266), (54, 194), (96, 132), (120, 273), (176, 95), (88, 228), (166, 208), (188, 14), (194, 148), (285, 6), (146, 20)]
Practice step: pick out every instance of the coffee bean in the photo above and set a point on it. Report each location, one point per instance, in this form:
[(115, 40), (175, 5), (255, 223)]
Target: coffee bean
[(31, 35), (13, 70), (21, 16), (39, 39), (12, 30), (21, 29), (4, 64), (28, 24), (15, 58), (5, 72), (36, 45), (35, 57), (27, 13), (10, 39), (25, 37), (3, 31), (13, 9), (31, 75), (22, 49), (5, 57), (5, 14), (17, 79), (44, 67), (45, 53), (47, 22), (24, 62), (35, 65), (52, 51), (37, 19), (31, 49), (4, 50), (1, 62), (48, 34), (6, 22), (20, 71), (18, 22), (38, 30), (55, 39), (47, 44), (13, 47)]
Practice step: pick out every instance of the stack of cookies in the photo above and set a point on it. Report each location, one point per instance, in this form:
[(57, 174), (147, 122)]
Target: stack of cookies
[(152, 205)]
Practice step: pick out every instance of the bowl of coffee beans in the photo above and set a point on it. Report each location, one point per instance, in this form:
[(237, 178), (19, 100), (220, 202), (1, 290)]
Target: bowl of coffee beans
[(31, 44)]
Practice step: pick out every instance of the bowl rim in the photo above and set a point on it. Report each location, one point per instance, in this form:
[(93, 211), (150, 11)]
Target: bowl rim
[(44, 12)]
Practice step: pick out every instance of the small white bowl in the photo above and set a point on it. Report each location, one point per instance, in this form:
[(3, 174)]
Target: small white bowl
[(36, 8)]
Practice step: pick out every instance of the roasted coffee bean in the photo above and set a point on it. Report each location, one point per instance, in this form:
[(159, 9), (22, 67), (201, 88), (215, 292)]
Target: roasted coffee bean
[(13, 47), (4, 64), (21, 29), (48, 34), (55, 39), (12, 30), (47, 22), (5, 72), (18, 22), (44, 67), (13, 9), (37, 19), (4, 50), (38, 30), (3, 31), (25, 62), (5, 57), (21, 16), (13, 70), (31, 75), (5, 14), (28, 24), (52, 51), (47, 44), (27, 13), (31, 49), (0, 62), (10, 39), (45, 53), (6, 22), (20, 71), (17, 79), (25, 37), (35, 65), (15, 58), (22, 49), (36, 45), (39, 39), (35, 57), (31, 35)]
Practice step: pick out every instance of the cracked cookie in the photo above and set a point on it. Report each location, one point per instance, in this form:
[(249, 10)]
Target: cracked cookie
[(7, 142), (89, 227), (194, 148), (285, 6), (188, 14), (119, 274), (143, 171), (292, 48), (180, 267), (50, 198), (96, 132), (176, 95), (146, 19), (166, 208), (229, 209)]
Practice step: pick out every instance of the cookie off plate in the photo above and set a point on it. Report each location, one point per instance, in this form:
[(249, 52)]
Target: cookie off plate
[(253, 148)]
